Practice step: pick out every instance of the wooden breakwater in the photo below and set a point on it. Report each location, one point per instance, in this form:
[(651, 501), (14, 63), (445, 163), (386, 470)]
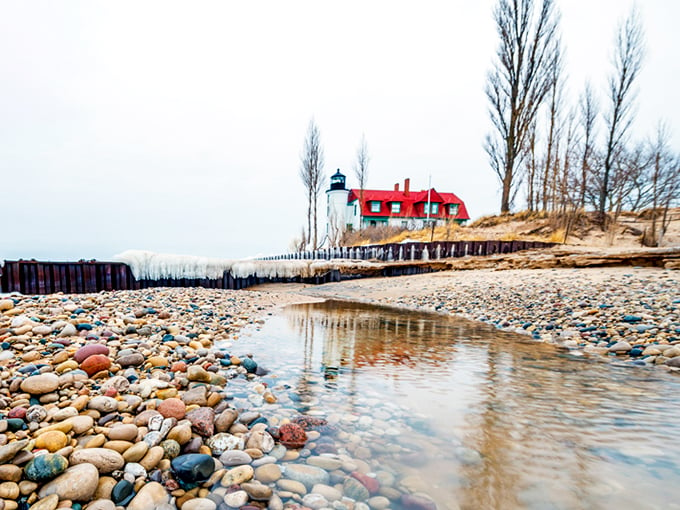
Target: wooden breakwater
[(37, 277), (396, 252)]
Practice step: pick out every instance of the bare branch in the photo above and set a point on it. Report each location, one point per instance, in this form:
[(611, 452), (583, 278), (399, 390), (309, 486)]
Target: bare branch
[(518, 83), (312, 176), (627, 63)]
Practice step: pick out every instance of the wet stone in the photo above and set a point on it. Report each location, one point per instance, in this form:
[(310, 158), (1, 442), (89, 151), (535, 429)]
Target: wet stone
[(268, 473), (354, 489), (257, 491), (192, 469), (122, 493), (236, 499), (417, 502), (308, 475), (292, 435), (45, 467)]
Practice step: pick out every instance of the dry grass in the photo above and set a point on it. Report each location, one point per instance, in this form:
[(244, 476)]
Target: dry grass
[(582, 226), (557, 236), (492, 221)]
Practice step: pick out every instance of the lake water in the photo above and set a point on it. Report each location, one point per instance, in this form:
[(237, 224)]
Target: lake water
[(474, 417)]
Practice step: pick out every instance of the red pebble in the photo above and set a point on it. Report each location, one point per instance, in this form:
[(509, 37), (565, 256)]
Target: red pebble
[(111, 392), (172, 408), (89, 350), (292, 435), (178, 366), (95, 363), (17, 412), (367, 481)]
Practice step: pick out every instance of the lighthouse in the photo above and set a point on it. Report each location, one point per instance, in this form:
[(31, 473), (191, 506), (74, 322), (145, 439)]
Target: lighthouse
[(336, 207)]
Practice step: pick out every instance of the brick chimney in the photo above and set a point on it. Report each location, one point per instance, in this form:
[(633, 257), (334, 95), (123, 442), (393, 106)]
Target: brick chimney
[(407, 186), (396, 187)]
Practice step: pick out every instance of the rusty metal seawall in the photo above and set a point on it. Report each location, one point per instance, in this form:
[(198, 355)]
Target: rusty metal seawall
[(37, 277)]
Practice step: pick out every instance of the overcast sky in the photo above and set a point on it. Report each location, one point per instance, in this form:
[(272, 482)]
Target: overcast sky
[(177, 126)]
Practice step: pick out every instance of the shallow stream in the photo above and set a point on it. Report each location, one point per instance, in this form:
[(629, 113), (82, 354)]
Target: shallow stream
[(474, 417)]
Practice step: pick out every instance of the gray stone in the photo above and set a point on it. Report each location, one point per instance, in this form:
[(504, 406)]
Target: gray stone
[(309, 476), (328, 492), (314, 501), (103, 404), (236, 499), (354, 489), (234, 457), (8, 451)]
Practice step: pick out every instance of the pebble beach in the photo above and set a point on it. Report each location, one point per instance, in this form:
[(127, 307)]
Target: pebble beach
[(135, 399)]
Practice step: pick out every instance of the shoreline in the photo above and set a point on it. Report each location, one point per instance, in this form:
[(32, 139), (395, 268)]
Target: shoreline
[(629, 315)]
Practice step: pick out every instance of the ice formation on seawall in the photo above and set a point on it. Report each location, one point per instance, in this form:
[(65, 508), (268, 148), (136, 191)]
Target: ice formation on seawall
[(148, 265)]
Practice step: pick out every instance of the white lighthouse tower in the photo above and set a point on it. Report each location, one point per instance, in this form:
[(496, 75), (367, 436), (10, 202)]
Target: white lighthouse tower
[(336, 208)]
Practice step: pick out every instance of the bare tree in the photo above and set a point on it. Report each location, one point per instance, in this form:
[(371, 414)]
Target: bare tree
[(298, 244), (518, 83), (336, 228), (588, 110), (632, 166), (311, 173), (554, 113), (633, 179), (628, 56), (665, 184), (361, 169), (531, 163)]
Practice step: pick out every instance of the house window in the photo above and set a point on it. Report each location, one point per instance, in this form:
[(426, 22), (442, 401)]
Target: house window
[(434, 208), (453, 209), (396, 207), (375, 206)]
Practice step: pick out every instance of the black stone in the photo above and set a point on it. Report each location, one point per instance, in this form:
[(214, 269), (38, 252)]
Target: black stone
[(192, 469), (122, 493)]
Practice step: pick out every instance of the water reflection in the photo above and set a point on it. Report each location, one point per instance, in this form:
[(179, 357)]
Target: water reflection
[(482, 419)]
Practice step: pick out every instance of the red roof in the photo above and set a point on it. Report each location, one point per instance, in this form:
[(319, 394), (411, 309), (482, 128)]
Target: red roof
[(412, 204)]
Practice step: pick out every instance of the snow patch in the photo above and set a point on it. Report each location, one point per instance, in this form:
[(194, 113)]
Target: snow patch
[(147, 265)]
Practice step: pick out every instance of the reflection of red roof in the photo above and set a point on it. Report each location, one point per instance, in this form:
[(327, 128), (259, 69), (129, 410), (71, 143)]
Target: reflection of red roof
[(412, 205)]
